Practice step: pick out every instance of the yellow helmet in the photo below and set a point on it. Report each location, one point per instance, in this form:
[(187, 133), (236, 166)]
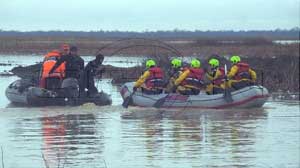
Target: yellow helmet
[(176, 63), (214, 63), (235, 59), (195, 63), (150, 63)]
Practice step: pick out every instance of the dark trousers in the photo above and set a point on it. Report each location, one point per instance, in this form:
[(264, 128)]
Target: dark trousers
[(217, 90), (189, 91), (241, 84), (52, 83), (152, 91), (87, 86)]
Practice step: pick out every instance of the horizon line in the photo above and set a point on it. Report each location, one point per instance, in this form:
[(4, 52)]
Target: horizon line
[(297, 28)]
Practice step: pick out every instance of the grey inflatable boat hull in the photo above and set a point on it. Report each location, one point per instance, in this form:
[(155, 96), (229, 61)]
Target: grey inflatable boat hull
[(248, 97), (35, 96)]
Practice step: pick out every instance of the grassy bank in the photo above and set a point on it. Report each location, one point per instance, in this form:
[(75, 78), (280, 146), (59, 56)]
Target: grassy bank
[(277, 65), (277, 73), (186, 47)]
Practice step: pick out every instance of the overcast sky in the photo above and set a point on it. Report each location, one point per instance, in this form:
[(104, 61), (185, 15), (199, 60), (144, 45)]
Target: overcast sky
[(141, 15)]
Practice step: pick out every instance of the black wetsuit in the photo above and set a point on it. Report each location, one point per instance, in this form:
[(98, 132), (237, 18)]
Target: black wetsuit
[(74, 65), (87, 79)]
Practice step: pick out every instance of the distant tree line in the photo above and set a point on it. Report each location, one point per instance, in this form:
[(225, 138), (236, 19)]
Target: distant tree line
[(278, 34)]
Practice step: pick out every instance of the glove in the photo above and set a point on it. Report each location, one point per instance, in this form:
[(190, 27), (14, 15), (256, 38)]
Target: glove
[(134, 89)]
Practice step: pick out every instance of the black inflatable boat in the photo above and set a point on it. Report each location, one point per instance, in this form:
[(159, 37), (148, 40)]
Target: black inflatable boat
[(25, 92)]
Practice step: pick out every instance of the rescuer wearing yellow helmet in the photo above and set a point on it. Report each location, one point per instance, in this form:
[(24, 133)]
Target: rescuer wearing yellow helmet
[(151, 81), (240, 74), (216, 77), (190, 80)]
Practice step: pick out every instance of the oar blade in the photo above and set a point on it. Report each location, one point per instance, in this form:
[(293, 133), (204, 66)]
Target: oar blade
[(159, 102), (127, 101), (228, 96), (227, 92)]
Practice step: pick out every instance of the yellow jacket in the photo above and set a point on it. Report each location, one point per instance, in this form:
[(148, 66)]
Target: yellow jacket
[(182, 77), (211, 78), (234, 69), (142, 79)]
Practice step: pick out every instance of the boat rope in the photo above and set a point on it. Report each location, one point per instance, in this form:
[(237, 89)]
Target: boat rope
[(137, 40)]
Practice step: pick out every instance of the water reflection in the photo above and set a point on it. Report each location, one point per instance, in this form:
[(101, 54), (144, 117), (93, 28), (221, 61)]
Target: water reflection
[(70, 139), (206, 138), (97, 137)]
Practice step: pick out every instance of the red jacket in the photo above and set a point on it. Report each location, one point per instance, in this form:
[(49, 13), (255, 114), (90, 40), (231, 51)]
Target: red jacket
[(220, 79), (243, 71), (156, 78), (195, 77)]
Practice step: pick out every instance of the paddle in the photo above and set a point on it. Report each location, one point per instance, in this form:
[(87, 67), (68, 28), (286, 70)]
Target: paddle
[(227, 93), (160, 101), (128, 100)]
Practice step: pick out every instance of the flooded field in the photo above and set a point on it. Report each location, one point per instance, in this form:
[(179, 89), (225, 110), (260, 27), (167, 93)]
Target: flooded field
[(91, 136)]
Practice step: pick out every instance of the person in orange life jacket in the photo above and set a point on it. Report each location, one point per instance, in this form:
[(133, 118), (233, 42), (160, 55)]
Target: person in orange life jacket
[(151, 81), (174, 72), (191, 80), (216, 77), (74, 63), (51, 81), (240, 74)]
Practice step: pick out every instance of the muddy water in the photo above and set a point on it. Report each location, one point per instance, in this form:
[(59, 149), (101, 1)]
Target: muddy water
[(91, 136)]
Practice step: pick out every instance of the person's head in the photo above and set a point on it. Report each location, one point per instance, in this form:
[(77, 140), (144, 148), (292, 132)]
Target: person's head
[(195, 63), (214, 63), (65, 49), (150, 63), (235, 59), (99, 59), (73, 50), (176, 63)]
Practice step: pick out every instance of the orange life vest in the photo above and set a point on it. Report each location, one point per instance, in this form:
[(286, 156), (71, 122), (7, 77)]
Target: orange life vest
[(243, 71), (195, 78), (156, 78), (49, 61)]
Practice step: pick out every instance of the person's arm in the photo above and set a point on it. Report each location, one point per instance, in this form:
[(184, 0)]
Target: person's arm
[(232, 72), (88, 67), (253, 75), (209, 77), (57, 64), (142, 79), (99, 71), (81, 64), (218, 74), (214, 74), (182, 77)]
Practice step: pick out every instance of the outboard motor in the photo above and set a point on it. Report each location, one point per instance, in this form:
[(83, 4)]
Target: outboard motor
[(70, 88)]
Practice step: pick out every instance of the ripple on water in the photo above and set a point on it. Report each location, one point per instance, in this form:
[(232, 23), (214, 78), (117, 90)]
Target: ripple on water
[(90, 136)]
